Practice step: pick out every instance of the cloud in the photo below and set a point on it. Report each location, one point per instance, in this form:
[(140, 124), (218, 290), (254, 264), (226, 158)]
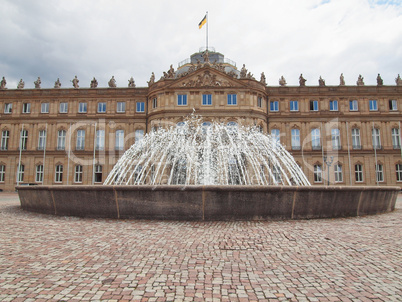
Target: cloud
[(61, 39)]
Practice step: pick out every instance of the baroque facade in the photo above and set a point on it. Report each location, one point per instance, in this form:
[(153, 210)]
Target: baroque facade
[(339, 135)]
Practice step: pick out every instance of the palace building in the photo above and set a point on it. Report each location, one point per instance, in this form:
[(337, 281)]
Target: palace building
[(339, 135)]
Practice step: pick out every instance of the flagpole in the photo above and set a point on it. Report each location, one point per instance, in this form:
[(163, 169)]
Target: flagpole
[(207, 30)]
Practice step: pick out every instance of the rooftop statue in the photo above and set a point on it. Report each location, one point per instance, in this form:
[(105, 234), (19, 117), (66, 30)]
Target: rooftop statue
[(243, 72), (321, 82), (250, 76), (398, 81), (170, 73), (282, 81), (380, 82), (112, 82), (57, 84), (3, 83), (360, 81), (131, 82), (263, 79), (206, 57), (75, 82), (94, 83), (302, 81), (341, 80), (152, 79), (37, 83), (21, 84)]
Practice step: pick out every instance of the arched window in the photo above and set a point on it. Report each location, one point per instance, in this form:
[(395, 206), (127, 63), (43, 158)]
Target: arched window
[(232, 127), (206, 127)]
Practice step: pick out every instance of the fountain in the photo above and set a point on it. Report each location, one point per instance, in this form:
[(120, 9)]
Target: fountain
[(199, 170)]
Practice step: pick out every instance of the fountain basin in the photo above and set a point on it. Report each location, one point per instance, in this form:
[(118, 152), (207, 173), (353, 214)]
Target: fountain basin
[(198, 203)]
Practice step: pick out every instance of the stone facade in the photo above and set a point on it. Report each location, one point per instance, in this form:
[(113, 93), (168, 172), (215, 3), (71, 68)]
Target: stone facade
[(60, 145)]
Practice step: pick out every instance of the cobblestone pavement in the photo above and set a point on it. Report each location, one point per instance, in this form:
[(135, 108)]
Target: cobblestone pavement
[(48, 258)]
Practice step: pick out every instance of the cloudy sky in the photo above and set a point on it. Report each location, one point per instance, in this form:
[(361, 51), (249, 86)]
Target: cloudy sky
[(63, 38)]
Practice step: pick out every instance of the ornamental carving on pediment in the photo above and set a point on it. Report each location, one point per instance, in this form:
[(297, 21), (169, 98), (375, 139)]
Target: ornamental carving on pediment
[(206, 79)]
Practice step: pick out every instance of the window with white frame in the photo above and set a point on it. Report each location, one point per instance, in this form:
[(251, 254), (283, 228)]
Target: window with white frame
[(20, 174), (8, 108), (26, 108), (42, 140), (232, 99), (119, 139), (139, 135), (78, 174), (39, 173), (336, 139), (61, 139), (376, 138), (316, 139), (358, 173), (44, 108), (379, 171), (80, 140), (140, 107), (82, 107), (373, 105), (295, 139), (398, 169), (207, 99), (313, 105), (206, 127), (275, 135), (5, 136), (180, 127), (338, 173), (353, 105), (393, 105), (333, 105), (63, 107), (98, 174), (100, 139), (317, 173), (24, 139), (101, 107), (276, 171), (294, 106), (2, 172), (232, 127), (182, 99), (356, 144), (396, 138), (121, 107), (58, 176), (274, 106)]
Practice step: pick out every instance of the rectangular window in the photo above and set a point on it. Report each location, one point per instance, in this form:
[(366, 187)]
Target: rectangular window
[(26, 108), (259, 102), (294, 105), (58, 176), (5, 135), (44, 108), (333, 105), (398, 169), (61, 139), (295, 139), (80, 140), (2, 172), (356, 144), (379, 173), (82, 107), (98, 173), (78, 174), (207, 99), (393, 105), (274, 106), (20, 175), (338, 173), (139, 135), (276, 171), (316, 139), (336, 139), (100, 139), (317, 173), (63, 107), (42, 140), (154, 103), (373, 105), (276, 136), (121, 107), (376, 138), (358, 173), (140, 107), (24, 139), (8, 108), (182, 99), (232, 99), (119, 139), (101, 107), (353, 105), (313, 105), (396, 138), (39, 173)]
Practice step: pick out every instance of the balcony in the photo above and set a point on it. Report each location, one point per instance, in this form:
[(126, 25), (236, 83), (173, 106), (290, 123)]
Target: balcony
[(356, 147), (316, 147), (337, 147), (397, 146), (296, 148)]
